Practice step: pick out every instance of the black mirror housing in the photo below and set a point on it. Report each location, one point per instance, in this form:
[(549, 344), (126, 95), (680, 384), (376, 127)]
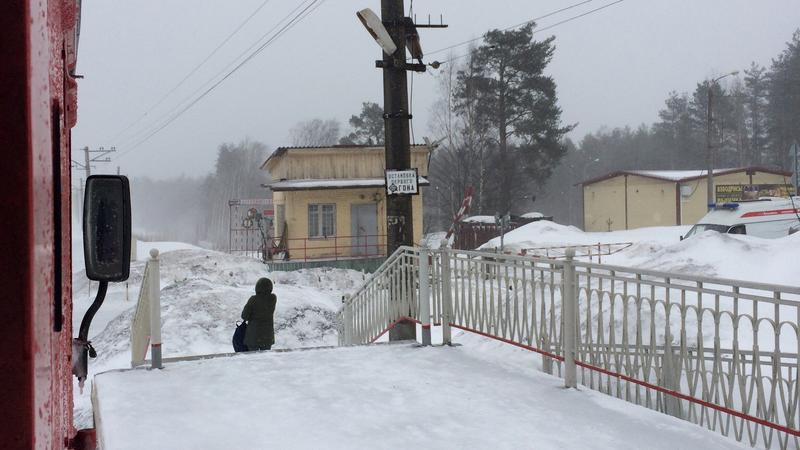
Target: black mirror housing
[(107, 228)]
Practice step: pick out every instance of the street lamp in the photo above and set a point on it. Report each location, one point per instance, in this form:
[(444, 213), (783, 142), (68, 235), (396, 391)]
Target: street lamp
[(709, 158)]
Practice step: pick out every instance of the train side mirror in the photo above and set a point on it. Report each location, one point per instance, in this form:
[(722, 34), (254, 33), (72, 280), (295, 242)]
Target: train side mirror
[(107, 228)]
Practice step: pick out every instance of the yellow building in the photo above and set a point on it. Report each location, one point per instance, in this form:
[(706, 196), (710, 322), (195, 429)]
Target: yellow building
[(644, 198), (330, 201)]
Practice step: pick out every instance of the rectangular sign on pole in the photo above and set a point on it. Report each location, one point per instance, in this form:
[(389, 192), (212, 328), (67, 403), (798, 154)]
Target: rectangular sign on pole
[(400, 182)]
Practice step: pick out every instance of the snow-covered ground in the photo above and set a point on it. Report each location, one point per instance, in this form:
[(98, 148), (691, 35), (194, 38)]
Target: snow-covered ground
[(709, 254), (388, 396), (202, 295), (203, 292)]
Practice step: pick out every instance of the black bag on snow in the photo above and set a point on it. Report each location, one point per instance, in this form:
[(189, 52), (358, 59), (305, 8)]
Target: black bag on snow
[(238, 337)]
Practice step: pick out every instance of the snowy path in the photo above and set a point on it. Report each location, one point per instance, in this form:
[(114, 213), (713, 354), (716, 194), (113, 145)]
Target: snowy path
[(391, 396)]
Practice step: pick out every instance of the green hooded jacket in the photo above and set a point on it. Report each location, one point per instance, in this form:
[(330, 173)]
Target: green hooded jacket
[(258, 313)]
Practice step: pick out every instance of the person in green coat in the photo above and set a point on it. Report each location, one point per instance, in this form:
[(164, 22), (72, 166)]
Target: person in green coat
[(258, 313)]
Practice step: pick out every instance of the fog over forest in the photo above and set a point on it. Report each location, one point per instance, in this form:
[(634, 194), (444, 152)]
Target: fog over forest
[(526, 154)]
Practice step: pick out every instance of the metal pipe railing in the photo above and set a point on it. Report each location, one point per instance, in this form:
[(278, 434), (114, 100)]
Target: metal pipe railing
[(721, 353)]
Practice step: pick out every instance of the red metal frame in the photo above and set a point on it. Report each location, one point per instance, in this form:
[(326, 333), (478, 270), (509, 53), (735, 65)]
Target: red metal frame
[(655, 387), (38, 100)]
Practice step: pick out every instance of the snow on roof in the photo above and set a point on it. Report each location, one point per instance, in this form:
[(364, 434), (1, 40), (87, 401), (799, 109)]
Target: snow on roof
[(674, 175), (479, 219), (683, 175), (332, 183), (532, 215)]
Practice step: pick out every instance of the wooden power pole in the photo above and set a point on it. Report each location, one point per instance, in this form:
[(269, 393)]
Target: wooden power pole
[(399, 216)]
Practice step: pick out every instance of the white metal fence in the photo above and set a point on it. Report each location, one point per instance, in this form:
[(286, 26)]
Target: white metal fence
[(720, 353)]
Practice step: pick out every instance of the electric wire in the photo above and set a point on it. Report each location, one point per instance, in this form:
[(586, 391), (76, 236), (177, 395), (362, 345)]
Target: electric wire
[(570, 19), (310, 8), (468, 41), (156, 123), (191, 72)]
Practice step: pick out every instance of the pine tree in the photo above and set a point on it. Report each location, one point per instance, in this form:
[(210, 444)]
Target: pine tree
[(783, 108), (368, 126), (676, 135), (755, 92), (507, 87)]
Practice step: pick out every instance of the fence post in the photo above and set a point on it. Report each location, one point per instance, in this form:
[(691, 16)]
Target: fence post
[(447, 296), (424, 297), (671, 372), (569, 310), (155, 311), (347, 318)]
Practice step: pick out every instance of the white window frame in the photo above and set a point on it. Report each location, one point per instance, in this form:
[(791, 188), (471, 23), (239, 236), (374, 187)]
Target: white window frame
[(317, 232)]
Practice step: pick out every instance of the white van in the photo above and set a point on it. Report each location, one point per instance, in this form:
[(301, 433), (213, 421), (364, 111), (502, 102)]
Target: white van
[(771, 217)]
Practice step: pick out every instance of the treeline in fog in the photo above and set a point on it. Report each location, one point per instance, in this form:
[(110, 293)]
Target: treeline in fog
[(195, 210), (490, 98)]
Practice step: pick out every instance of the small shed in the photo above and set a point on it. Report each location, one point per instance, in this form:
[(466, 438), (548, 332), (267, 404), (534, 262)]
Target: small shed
[(472, 232), (629, 199), (330, 201)]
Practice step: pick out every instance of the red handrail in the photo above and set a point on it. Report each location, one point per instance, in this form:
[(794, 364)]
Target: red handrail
[(339, 249)]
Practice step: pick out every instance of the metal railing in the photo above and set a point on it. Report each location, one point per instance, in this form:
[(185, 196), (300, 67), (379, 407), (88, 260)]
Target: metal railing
[(590, 251), (716, 352), (331, 247)]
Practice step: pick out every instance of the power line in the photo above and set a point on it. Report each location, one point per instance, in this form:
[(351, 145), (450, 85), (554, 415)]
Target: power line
[(468, 41), (156, 123), (193, 71), (310, 8), (570, 19)]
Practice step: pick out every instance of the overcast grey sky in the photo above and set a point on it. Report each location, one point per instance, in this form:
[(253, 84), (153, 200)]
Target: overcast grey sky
[(612, 68)]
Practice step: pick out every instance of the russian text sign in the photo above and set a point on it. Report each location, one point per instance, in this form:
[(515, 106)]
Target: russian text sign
[(399, 182)]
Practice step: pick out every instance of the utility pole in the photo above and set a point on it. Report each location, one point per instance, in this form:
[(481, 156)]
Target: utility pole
[(399, 216), (87, 165), (709, 149), (395, 105), (396, 115), (101, 156)]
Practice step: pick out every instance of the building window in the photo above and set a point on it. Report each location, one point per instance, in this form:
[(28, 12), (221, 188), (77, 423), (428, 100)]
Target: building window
[(321, 220)]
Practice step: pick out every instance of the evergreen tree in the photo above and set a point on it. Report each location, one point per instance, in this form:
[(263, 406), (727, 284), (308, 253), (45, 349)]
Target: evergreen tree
[(755, 92), (368, 126), (676, 136), (506, 86), (783, 108)]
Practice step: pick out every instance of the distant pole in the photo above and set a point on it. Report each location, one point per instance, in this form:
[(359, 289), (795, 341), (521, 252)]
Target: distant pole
[(88, 166), (709, 159), (796, 174), (709, 149), (399, 218)]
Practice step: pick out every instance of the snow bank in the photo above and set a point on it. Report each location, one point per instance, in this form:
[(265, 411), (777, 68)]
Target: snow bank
[(375, 397), (660, 248), (202, 295)]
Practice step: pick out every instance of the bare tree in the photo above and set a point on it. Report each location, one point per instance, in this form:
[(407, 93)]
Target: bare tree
[(315, 133)]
